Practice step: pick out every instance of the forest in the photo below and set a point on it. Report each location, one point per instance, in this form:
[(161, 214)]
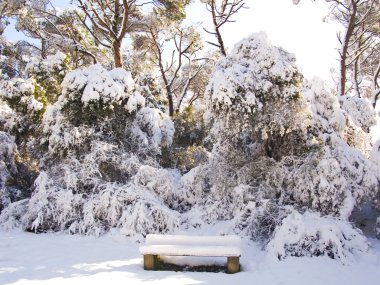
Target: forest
[(118, 114)]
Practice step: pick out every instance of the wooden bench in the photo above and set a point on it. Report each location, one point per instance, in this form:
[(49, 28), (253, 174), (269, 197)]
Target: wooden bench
[(180, 245)]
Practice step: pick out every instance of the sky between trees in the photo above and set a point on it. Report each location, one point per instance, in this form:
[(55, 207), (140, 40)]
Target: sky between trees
[(299, 29)]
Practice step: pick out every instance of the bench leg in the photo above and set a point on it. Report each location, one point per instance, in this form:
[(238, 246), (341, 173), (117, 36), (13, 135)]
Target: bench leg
[(150, 261), (233, 265)]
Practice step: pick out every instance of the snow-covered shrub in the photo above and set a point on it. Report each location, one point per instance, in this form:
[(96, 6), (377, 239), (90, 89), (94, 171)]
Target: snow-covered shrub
[(151, 130), (375, 153), (94, 104), (8, 149), (101, 169), (105, 188), (90, 95), (22, 96), (256, 92), (360, 110), (49, 73), (309, 234), (339, 176), (28, 98), (256, 214), (10, 217), (109, 205), (328, 117), (284, 139), (360, 117)]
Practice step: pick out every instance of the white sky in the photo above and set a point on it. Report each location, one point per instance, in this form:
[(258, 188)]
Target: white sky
[(297, 28)]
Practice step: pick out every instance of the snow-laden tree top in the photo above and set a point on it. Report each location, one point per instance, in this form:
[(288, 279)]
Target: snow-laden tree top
[(98, 84), (252, 74)]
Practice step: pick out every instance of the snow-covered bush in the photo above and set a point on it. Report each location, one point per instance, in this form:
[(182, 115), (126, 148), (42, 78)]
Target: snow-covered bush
[(128, 207), (27, 98), (7, 169), (284, 139), (339, 176), (49, 73), (151, 130), (360, 110), (105, 188), (101, 169), (360, 117), (100, 104), (22, 96), (309, 234), (375, 153), (255, 92)]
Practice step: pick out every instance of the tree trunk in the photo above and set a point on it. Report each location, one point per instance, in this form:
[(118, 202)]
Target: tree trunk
[(171, 105), (117, 53), (217, 32), (344, 52)]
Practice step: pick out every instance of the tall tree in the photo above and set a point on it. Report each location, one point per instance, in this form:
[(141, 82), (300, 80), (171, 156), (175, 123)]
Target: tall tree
[(356, 39), (109, 21), (359, 70), (174, 50), (222, 12)]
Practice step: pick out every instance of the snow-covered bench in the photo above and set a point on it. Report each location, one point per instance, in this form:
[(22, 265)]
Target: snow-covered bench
[(180, 245)]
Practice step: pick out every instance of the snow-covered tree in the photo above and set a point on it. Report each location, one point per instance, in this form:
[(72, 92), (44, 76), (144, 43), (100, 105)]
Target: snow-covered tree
[(29, 96), (100, 169), (7, 169), (280, 141)]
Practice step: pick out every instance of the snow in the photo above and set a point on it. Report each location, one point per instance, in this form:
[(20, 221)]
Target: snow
[(51, 63), (310, 234), (99, 84), (58, 259), (245, 78), (187, 250), (193, 240), (192, 245)]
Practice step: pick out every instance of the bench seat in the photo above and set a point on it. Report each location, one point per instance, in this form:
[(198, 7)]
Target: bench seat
[(181, 245)]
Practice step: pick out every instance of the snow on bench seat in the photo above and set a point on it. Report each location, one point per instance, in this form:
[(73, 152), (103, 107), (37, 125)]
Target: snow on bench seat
[(181, 245), (183, 250), (228, 240)]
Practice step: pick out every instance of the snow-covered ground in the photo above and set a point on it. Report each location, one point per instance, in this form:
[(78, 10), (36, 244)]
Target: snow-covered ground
[(27, 258)]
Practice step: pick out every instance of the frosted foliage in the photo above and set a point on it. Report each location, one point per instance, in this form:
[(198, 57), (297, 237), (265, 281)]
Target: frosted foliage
[(152, 130), (53, 63), (10, 217), (332, 182), (360, 110), (98, 85), (21, 90), (94, 194), (328, 116), (339, 176), (88, 103), (165, 183), (256, 90), (375, 153), (62, 136), (253, 73), (360, 118), (309, 234), (7, 166)]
